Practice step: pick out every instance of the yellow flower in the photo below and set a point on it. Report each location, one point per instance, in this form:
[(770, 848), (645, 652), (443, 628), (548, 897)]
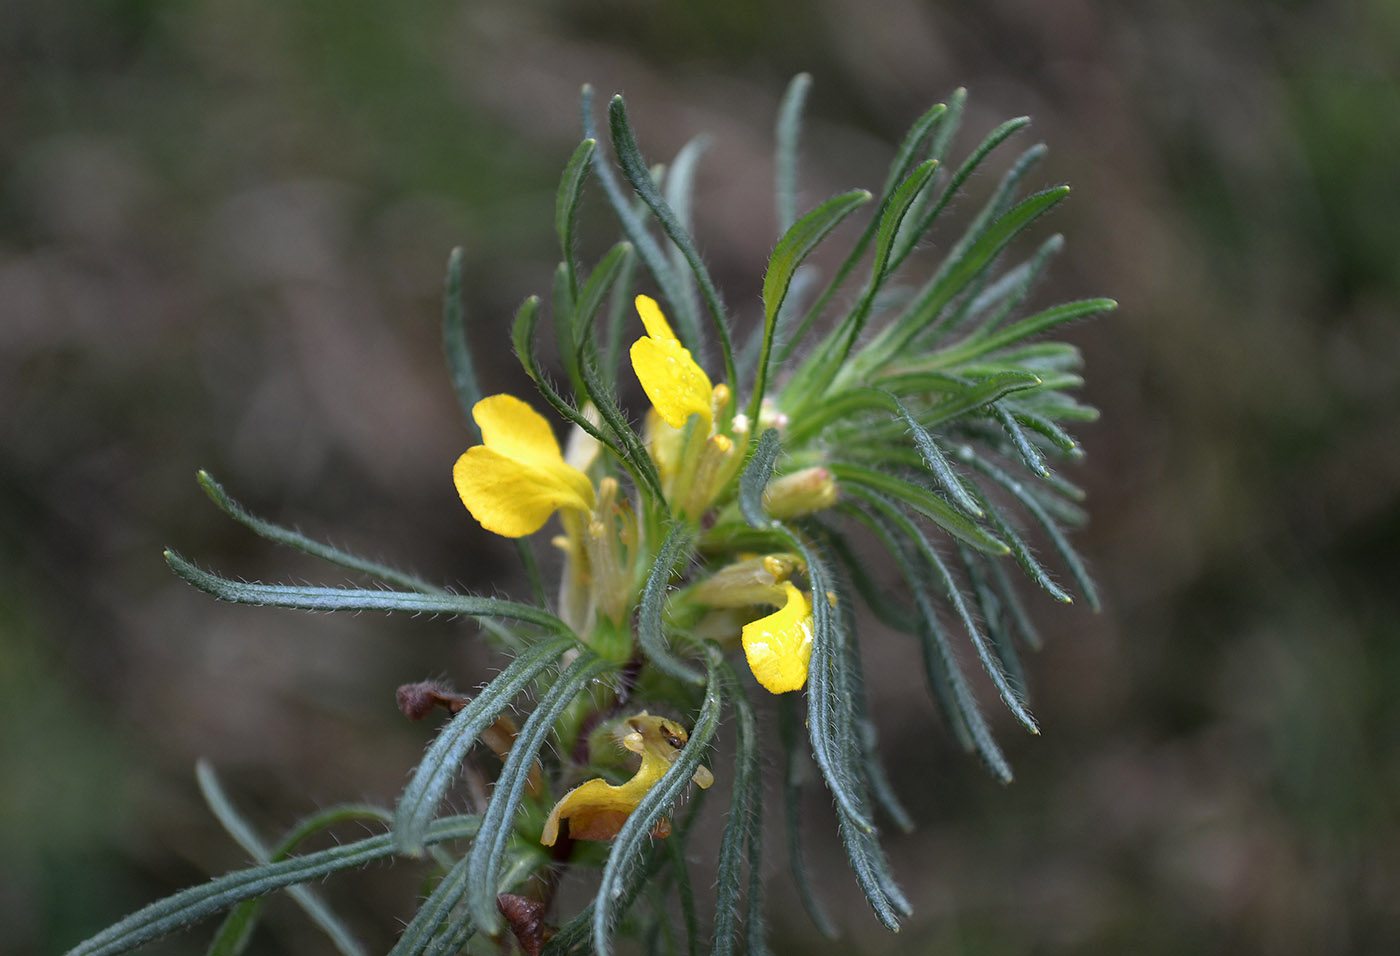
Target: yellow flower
[(779, 646), (596, 810), (676, 385), (517, 478)]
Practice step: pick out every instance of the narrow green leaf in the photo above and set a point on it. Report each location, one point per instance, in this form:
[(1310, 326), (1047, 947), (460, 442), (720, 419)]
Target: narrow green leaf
[(595, 290), (981, 345), (650, 633), (922, 500), (862, 846), (575, 936), (906, 157), (192, 905), (620, 309), (1053, 531), (953, 594), (455, 344), (894, 212), (457, 349), (498, 822), (756, 915), (1030, 455), (236, 931), (635, 229), (680, 869), (940, 662), (1060, 438), (659, 938), (739, 822), (436, 910), (238, 828), (793, 766), (1006, 189), (828, 360), (680, 178), (873, 874), (904, 160), (1011, 601), (635, 170), (874, 772), (787, 135), (959, 397), (1009, 291), (996, 619), (798, 294), (358, 599), (1023, 554), (566, 205), (523, 337), (453, 938), (317, 549), (564, 335), (438, 769), (875, 776), (937, 463), (941, 136), (623, 441), (887, 608), (632, 840), (830, 721), (679, 185), (635, 456), (756, 475), (974, 396), (794, 247), (957, 271), (994, 139), (995, 206)]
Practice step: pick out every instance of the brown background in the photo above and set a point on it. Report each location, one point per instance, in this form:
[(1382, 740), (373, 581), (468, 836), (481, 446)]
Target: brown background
[(222, 231)]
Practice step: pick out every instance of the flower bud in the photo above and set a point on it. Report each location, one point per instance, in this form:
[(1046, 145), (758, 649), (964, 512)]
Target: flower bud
[(801, 493)]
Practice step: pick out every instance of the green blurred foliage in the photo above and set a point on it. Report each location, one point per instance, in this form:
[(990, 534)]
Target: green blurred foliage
[(222, 229)]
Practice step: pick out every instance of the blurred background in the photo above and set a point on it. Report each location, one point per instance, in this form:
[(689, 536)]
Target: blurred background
[(223, 227)]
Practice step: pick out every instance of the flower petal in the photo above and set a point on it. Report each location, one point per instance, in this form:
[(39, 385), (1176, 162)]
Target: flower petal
[(596, 809), (677, 387), (779, 646), (513, 498), (516, 430), (653, 318)]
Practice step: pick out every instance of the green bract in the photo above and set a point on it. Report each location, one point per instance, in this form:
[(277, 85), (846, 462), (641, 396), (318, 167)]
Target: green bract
[(920, 412)]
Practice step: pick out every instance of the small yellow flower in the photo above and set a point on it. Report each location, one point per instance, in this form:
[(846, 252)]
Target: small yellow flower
[(779, 646), (596, 810), (517, 478), (676, 385)]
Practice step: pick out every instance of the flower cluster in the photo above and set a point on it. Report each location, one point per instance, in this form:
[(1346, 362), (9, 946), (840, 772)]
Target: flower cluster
[(906, 422), (518, 477)]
